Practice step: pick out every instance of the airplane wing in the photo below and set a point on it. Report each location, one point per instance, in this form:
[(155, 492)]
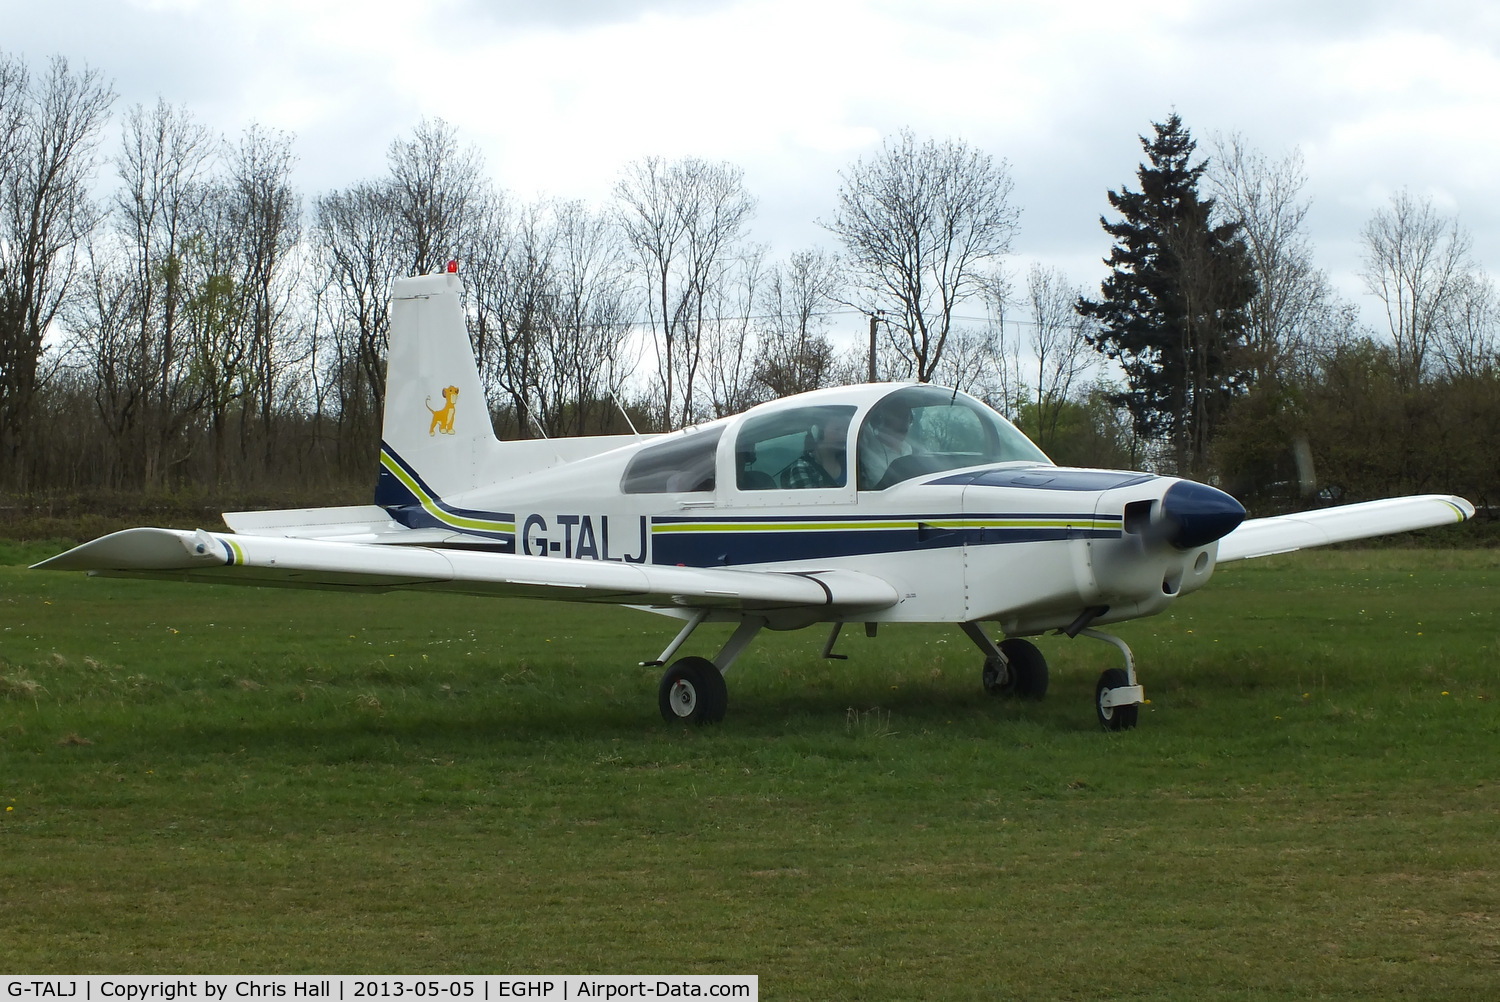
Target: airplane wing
[(1261, 537), (229, 558)]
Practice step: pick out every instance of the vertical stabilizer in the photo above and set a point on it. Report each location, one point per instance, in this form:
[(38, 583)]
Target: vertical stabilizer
[(437, 434)]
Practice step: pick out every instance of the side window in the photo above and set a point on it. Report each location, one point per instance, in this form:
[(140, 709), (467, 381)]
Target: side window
[(685, 464), (799, 449)]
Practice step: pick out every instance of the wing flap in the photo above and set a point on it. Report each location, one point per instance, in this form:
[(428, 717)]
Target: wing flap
[(230, 558), (1260, 537)]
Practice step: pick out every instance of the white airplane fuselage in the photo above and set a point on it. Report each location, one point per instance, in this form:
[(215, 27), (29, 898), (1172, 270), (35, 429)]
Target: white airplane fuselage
[(1022, 544)]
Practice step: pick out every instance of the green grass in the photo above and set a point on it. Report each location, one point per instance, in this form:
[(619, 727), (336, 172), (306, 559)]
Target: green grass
[(244, 780)]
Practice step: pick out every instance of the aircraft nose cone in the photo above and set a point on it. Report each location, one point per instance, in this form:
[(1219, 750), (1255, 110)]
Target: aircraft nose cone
[(1196, 514)]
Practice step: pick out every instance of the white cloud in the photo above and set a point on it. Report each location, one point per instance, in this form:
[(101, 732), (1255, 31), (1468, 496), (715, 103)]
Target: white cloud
[(560, 96)]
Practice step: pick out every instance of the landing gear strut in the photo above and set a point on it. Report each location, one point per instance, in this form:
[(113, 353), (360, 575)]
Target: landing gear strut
[(692, 689), (1117, 696), (1013, 667)]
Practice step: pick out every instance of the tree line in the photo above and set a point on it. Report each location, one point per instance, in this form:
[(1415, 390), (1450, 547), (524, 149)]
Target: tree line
[(174, 312)]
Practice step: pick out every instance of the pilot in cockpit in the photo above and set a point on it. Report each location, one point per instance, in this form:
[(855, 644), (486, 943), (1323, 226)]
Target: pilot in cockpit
[(824, 459)]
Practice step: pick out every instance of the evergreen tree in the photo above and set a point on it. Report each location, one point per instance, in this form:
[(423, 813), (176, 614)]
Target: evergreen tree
[(1172, 311)]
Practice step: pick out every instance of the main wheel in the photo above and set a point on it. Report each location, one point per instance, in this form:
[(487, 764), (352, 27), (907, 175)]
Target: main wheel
[(692, 690), (1026, 676), (1114, 718)]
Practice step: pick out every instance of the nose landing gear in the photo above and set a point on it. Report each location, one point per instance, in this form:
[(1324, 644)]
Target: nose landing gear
[(1117, 696)]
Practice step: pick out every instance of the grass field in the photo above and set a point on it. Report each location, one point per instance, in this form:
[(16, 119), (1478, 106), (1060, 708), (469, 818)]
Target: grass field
[(224, 780)]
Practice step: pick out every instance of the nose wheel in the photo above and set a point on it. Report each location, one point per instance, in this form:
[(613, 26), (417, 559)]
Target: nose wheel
[(1118, 695), (1115, 715)]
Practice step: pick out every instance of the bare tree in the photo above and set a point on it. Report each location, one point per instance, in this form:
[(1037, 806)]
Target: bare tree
[(355, 232), (552, 316), (163, 167), (526, 314), (794, 354), (1006, 385), (432, 207), (594, 314), (1060, 344), (265, 216), (921, 223), (216, 344), (47, 159), (486, 277), (682, 220), (436, 188), (730, 339), (1293, 302), (974, 356), (1415, 263), (1469, 337), (104, 344), (14, 81)]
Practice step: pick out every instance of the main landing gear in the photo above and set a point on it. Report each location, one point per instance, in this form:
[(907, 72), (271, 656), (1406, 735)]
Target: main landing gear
[(692, 689), (1016, 668)]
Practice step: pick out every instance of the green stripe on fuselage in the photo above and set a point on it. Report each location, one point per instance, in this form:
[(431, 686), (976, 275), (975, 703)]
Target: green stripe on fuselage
[(431, 506)]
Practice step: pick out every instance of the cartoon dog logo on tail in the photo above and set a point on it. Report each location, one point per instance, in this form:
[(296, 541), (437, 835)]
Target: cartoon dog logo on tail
[(442, 420)]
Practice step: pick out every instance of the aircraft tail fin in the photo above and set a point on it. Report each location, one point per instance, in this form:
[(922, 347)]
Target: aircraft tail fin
[(437, 433)]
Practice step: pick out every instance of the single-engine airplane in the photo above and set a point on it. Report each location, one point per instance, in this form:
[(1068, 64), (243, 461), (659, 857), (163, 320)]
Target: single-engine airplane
[(881, 503)]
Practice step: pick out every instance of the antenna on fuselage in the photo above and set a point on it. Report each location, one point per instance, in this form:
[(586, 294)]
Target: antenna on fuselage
[(624, 413), (536, 421)]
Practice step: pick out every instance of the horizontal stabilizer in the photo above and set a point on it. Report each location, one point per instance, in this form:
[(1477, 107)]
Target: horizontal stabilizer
[(351, 524), (312, 523), (177, 554), (1261, 537)]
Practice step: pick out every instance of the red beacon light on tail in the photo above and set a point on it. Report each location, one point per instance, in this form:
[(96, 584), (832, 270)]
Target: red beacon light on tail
[(453, 267)]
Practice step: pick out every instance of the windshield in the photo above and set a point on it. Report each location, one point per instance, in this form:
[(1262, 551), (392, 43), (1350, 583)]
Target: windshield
[(927, 429)]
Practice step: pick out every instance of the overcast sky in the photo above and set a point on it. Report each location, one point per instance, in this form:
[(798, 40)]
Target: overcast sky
[(560, 95)]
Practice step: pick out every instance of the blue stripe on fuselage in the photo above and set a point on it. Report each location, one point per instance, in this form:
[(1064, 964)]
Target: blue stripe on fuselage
[(728, 546)]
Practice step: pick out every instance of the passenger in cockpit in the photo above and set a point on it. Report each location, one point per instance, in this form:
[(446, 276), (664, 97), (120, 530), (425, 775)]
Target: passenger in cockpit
[(883, 440)]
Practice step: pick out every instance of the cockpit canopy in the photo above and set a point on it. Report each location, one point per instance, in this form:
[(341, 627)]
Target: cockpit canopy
[(909, 432)]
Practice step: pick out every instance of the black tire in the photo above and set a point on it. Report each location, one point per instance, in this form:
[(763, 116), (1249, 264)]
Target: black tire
[(1114, 718), (692, 691), (1027, 678)]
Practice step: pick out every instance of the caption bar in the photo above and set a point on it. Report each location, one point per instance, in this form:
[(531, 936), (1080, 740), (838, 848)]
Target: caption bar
[(316, 988)]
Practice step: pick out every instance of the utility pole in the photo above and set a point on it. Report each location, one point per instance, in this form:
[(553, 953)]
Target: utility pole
[(873, 317)]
